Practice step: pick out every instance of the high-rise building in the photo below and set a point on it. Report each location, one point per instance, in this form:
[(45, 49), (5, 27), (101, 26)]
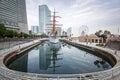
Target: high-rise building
[(35, 30), (69, 31), (44, 19), (58, 29), (13, 15)]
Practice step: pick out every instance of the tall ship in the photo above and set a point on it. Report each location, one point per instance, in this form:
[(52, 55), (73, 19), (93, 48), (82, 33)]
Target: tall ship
[(53, 36)]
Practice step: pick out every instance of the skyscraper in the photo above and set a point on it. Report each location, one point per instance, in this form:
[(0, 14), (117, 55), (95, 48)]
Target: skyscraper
[(69, 31), (44, 19), (13, 15), (59, 30), (35, 30)]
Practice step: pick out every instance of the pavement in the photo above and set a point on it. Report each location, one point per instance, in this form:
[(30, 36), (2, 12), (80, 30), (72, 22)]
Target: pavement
[(15, 46), (94, 45), (5, 45)]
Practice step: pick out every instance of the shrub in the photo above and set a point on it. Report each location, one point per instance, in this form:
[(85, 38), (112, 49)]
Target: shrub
[(100, 45)]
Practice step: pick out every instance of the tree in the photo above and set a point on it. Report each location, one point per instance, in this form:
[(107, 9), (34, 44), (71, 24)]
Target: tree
[(43, 35), (105, 35), (102, 34), (99, 33), (2, 30), (9, 33), (23, 35)]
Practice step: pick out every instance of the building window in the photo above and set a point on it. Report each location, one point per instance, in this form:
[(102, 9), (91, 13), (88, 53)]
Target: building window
[(93, 40), (96, 41)]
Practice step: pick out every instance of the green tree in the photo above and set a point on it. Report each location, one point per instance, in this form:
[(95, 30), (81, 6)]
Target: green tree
[(23, 35), (102, 34), (98, 33), (9, 33), (105, 35), (2, 30), (43, 35)]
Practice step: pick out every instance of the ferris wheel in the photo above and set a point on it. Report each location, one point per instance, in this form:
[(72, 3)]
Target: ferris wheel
[(83, 30)]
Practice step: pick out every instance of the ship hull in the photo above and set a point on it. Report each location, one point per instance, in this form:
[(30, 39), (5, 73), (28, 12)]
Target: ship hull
[(53, 40)]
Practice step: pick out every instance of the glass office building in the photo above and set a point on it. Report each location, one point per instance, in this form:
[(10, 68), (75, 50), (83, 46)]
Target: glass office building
[(13, 15), (44, 19), (35, 30)]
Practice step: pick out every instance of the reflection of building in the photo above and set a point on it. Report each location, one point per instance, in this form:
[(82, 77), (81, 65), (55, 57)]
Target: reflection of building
[(69, 31), (21, 64), (45, 56), (35, 29), (55, 48), (44, 19), (91, 38), (69, 46), (48, 55), (13, 15), (36, 48)]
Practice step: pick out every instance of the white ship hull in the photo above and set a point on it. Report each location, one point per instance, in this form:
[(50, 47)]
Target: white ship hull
[(53, 40)]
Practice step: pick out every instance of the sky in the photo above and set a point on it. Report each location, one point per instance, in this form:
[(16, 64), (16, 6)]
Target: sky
[(95, 14)]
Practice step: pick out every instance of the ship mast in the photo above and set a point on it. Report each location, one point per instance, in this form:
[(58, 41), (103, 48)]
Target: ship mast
[(54, 24), (54, 31)]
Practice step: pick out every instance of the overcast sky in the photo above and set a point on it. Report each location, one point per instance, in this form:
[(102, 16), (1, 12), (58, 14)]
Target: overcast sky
[(96, 14)]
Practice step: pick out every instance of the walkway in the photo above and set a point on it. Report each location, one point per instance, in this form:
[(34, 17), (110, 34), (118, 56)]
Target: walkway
[(7, 50)]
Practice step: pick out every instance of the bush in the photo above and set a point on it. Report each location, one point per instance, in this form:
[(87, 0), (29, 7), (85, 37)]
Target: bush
[(44, 36), (2, 30), (100, 45)]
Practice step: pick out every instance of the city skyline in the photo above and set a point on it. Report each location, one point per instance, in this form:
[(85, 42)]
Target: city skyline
[(96, 14)]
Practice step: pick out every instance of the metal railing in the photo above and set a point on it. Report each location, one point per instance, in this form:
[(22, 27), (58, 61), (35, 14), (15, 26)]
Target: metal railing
[(102, 75)]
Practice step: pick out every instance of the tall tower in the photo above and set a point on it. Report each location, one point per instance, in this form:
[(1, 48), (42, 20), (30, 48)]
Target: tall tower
[(13, 15), (44, 18), (69, 31)]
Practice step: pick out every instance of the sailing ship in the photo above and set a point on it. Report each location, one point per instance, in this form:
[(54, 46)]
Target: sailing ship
[(53, 37)]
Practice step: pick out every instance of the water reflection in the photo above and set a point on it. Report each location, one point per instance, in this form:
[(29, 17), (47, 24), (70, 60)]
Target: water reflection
[(101, 63), (61, 58), (44, 55), (48, 55), (21, 64), (54, 49)]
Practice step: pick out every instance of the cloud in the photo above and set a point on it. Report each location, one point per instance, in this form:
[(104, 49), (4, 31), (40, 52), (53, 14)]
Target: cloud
[(97, 14)]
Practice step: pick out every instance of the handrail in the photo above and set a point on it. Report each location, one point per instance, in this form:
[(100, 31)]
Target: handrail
[(107, 74)]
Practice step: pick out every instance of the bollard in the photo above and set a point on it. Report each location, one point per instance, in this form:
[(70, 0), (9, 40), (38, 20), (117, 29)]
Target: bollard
[(5, 73), (58, 78), (80, 77), (36, 76), (17, 75), (112, 74)]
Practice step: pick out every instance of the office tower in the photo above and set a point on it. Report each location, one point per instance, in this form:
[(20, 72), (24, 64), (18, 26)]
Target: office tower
[(69, 31), (58, 29), (44, 19), (13, 15), (35, 30)]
